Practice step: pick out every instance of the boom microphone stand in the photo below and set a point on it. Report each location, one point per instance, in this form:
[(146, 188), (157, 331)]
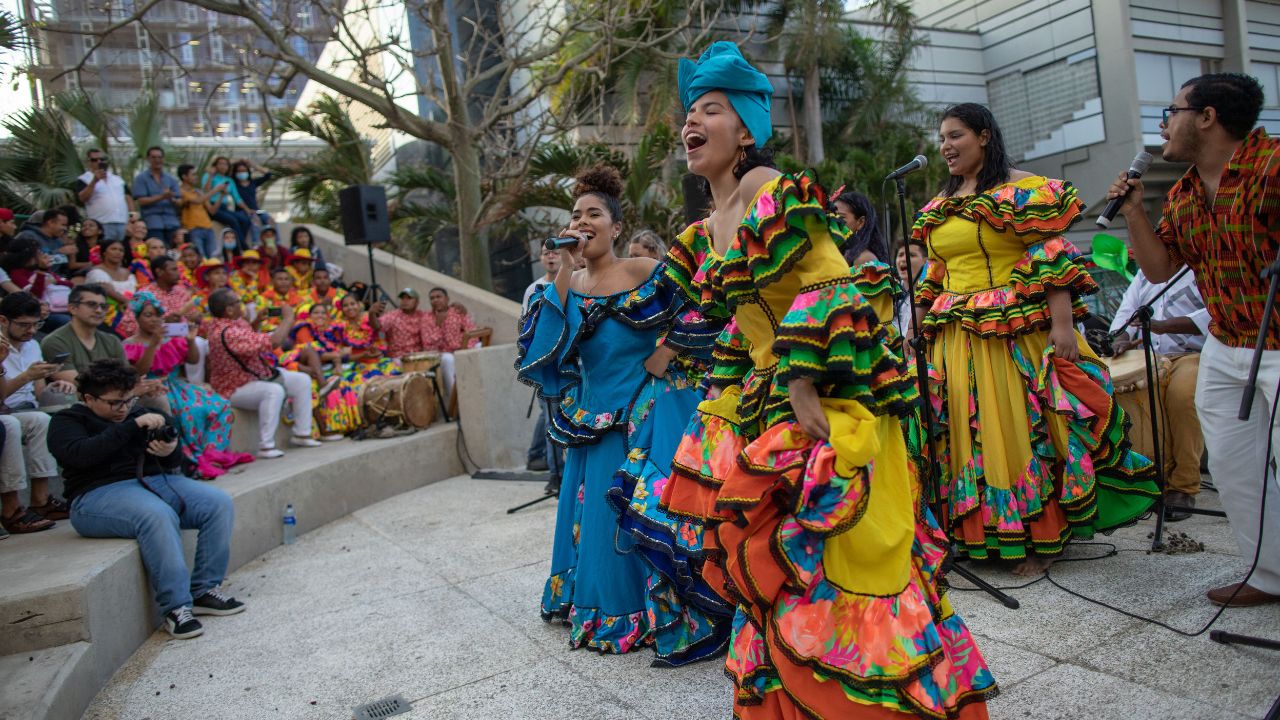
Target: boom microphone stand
[(928, 479), (1143, 316)]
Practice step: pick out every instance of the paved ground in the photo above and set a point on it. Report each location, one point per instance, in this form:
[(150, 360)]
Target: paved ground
[(434, 595)]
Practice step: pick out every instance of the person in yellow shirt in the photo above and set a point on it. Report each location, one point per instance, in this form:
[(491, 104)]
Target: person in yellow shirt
[(196, 207), (301, 267)]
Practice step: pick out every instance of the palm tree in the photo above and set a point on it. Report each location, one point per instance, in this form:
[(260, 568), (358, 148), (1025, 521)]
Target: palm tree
[(814, 38), (345, 160)]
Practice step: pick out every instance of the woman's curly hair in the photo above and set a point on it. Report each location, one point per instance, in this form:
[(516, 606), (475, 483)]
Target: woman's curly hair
[(605, 182)]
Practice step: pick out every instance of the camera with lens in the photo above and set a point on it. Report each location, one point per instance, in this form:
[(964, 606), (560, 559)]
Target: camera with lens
[(164, 434)]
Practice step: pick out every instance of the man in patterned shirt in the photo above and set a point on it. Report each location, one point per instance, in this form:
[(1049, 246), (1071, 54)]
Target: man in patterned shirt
[(447, 330), (403, 327), (1223, 219)]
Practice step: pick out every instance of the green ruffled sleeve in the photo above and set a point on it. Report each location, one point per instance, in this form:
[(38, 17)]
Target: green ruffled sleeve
[(730, 357)]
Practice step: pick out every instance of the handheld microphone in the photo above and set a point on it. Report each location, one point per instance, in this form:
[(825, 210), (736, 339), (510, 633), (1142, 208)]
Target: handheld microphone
[(1140, 163), (917, 163), (558, 243)]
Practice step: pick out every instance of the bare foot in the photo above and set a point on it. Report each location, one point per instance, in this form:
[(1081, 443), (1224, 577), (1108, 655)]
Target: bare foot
[(1032, 566)]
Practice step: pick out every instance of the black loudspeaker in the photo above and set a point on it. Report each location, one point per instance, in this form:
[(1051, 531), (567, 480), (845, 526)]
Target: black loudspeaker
[(697, 204), (364, 215)]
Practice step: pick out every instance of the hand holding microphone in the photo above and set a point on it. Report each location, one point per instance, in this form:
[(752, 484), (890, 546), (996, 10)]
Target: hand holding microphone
[(1126, 193)]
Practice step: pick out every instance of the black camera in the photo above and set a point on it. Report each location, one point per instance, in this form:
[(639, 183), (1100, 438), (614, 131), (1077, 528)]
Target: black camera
[(164, 434)]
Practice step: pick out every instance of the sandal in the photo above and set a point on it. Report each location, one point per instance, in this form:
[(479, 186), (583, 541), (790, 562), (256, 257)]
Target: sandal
[(53, 509), (24, 521)]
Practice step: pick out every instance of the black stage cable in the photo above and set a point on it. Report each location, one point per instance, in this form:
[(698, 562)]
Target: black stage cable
[(464, 454), (1257, 552)]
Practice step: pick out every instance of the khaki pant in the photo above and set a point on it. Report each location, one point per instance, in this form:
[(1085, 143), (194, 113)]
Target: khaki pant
[(1182, 442)]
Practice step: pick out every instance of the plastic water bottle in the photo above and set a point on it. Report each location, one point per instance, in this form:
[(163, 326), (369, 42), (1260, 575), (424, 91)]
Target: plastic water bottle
[(290, 525)]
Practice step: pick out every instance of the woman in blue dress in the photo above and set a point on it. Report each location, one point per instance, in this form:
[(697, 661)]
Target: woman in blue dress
[(603, 342)]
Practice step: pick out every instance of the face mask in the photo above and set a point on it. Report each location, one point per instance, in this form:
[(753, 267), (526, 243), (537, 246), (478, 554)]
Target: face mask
[(242, 176)]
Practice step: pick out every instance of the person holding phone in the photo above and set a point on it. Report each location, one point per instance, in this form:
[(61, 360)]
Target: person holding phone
[(104, 194), (25, 456)]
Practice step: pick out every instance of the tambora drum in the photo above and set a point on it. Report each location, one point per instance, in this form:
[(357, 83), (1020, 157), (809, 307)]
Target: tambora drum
[(1129, 376), (405, 400), (1129, 371), (420, 362)]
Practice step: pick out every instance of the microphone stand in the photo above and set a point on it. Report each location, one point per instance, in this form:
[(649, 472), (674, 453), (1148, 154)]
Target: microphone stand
[(1143, 316), (1271, 272), (928, 478)]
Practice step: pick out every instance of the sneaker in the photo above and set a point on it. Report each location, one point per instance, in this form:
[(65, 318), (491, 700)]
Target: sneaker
[(270, 453), (552, 487), (181, 624), (4, 534), (537, 465), (216, 602), (299, 441)]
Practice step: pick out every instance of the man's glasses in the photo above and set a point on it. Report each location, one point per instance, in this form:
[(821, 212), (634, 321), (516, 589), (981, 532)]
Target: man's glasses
[(32, 325), (92, 305), (125, 404), (1173, 110)]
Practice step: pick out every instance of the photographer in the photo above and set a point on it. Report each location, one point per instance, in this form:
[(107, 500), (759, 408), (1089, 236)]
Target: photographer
[(121, 465), (104, 194)]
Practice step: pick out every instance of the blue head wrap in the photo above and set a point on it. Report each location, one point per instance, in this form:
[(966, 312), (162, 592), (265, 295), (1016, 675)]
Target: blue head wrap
[(723, 68), (143, 299)]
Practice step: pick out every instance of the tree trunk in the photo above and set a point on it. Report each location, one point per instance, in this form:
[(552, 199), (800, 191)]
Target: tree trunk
[(813, 114)]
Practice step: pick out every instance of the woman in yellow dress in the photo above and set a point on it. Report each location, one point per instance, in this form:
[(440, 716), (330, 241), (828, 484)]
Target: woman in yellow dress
[(793, 479), (1031, 446)]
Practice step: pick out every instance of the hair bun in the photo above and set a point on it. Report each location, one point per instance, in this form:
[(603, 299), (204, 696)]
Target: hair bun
[(601, 178)]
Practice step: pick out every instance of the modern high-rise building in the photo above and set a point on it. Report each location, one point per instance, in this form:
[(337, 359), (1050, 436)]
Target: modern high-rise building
[(196, 60)]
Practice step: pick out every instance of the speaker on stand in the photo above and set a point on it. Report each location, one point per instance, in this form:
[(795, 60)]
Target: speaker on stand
[(363, 210)]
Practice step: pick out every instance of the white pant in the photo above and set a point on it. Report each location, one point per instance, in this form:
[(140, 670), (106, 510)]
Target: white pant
[(195, 370), (26, 450), (445, 374), (1237, 450), (268, 397)]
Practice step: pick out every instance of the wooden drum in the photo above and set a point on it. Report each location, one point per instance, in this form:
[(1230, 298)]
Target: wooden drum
[(1129, 376), (420, 362), (404, 400)]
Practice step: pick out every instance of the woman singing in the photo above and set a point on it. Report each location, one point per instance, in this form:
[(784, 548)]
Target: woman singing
[(1034, 451), (797, 464), (600, 342)]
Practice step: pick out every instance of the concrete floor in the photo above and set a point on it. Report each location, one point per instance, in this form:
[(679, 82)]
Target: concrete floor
[(434, 595)]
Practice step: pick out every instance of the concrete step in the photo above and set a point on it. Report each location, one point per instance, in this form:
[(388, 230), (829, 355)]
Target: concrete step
[(50, 683), (58, 590)]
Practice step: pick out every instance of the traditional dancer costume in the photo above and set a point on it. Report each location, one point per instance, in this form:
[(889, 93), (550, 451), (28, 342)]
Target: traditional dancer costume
[(1034, 451), (588, 354), (816, 542)]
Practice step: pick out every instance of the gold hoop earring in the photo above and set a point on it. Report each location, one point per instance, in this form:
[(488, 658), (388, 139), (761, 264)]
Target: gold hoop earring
[(742, 154)]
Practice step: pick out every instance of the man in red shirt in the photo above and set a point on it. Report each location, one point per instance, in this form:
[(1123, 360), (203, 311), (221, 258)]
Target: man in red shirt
[(446, 330), (239, 371), (1223, 220), (404, 328)]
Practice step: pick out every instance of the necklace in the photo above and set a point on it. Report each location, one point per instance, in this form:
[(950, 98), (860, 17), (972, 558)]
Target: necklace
[(603, 275)]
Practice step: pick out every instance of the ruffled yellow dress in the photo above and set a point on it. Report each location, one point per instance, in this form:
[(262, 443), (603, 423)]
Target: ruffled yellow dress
[(818, 544), (1031, 448)]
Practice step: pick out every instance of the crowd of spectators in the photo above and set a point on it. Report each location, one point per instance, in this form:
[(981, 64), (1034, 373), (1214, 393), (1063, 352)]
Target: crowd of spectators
[(207, 319)]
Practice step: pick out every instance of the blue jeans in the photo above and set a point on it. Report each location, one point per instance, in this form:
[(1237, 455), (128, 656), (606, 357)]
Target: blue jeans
[(553, 453), (205, 242), (113, 231), (164, 233), (126, 509)]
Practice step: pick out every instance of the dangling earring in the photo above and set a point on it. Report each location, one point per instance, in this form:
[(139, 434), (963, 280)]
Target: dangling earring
[(742, 155)]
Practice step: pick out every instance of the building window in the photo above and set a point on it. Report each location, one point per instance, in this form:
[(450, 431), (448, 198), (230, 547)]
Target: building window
[(216, 48), (1160, 77), (1050, 109)]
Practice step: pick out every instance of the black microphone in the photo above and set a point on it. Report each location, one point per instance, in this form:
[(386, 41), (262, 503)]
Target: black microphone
[(1140, 163), (557, 243), (919, 162)]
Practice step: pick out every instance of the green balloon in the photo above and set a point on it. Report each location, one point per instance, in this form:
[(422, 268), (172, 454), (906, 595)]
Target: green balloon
[(1110, 252)]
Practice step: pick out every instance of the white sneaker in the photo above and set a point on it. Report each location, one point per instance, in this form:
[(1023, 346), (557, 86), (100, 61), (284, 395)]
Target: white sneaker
[(270, 453), (298, 441), (332, 438)]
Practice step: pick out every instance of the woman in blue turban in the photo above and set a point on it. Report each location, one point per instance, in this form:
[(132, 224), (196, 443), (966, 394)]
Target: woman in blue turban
[(793, 477)]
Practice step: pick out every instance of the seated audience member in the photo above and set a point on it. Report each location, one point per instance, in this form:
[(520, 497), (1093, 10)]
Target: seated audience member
[(28, 269), (8, 228), (247, 186), (25, 456), (87, 241), (242, 368), (323, 291), (301, 239), (1179, 327), (647, 243), (211, 276), (179, 305), (342, 373), (189, 259), (447, 330), (229, 208), (362, 337), (49, 231), (203, 417), (230, 245), (249, 279), (101, 442), (274, 299), (272, 254), (141, 266), (118, 283), (301, 266), (197, 209), (403, 327)]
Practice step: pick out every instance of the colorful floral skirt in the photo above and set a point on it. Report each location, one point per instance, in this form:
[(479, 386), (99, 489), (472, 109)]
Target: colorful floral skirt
[(339, 411), (204, 417), (689, 621), (832, 569), (1032, 450)]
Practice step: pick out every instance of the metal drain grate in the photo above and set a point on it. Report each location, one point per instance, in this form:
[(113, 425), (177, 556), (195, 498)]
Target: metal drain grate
[(384, 708)]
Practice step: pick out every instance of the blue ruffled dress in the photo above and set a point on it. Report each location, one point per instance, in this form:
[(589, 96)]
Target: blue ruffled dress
[(621, 426)]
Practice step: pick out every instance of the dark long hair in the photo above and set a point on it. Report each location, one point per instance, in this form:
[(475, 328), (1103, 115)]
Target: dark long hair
[(869, 237), (995, 160)]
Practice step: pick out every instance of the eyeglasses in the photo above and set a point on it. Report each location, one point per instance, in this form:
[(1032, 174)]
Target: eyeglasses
[(33, 325), (125, 404), (1172, 109), (92, 305)]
